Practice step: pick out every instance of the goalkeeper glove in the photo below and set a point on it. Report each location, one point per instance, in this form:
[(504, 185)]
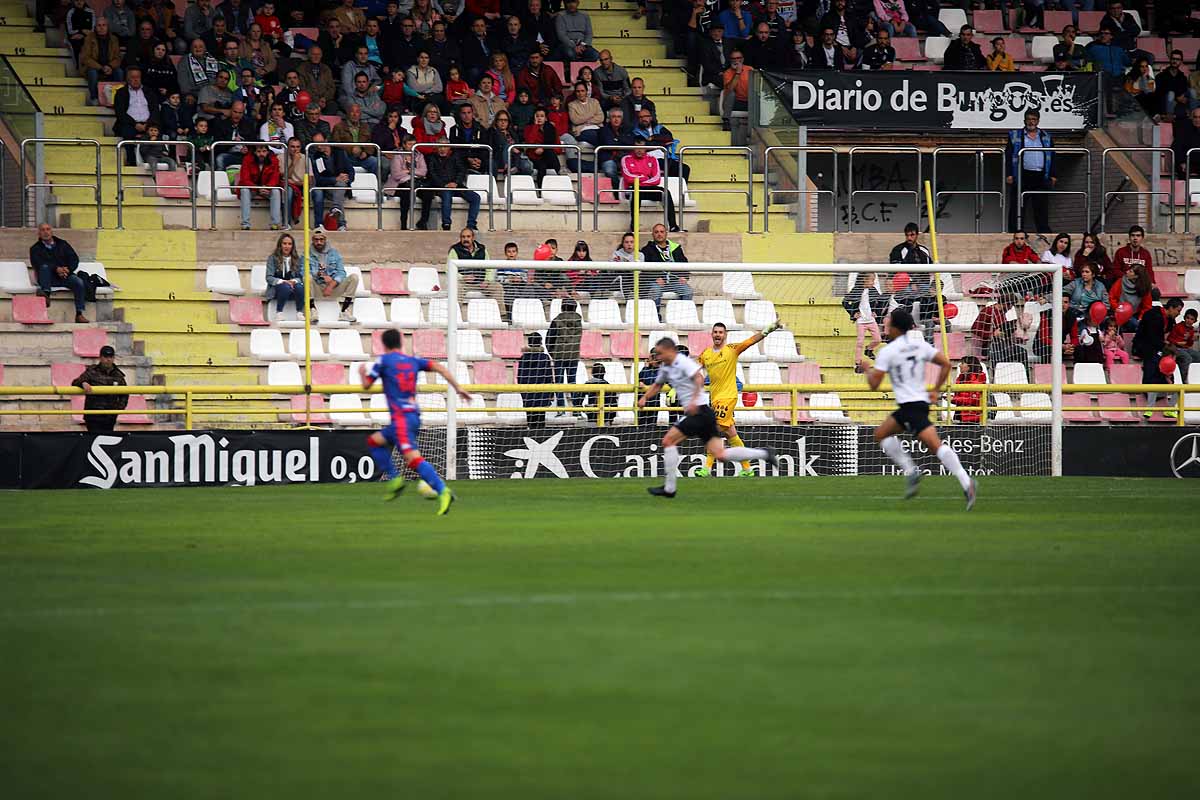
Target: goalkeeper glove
[(774, 326)]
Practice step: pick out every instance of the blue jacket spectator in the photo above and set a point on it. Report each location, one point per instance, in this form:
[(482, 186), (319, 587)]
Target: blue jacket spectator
[(737, 21), (1016, 143), (329, 275), (1108, 57)]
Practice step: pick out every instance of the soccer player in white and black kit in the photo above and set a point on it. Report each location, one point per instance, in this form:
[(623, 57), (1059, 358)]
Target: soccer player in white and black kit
[(698, 420), (903, 360)]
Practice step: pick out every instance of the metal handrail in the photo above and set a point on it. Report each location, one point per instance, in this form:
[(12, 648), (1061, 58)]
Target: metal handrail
[(349, 146), (915, 193), (95, 187), (718, 150), (212, 164), (768, 191), (1187, 182), (191, 185), (617, 190), (1086, 195), (578, 182), (1169, 192), (412, 177), (977, 193)]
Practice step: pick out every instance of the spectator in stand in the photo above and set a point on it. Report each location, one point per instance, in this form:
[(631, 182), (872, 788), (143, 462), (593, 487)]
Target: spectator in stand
[(1110, 58), (542, 137), (1149, 344), (1019, 251), (880, 54), (866, 306), (198, 20), (827, 54), (634, 103), (1068, 51), (1112, 344), (1183, 337), (1122, 26), (429, 126), (426, 16), (349, 73), (177, 119), (599, 376), (140, 49), (737, 22), (1083, 291), (627, 250), (355, 129), (794, 51), (541, 81), (1173, 92), (367, 97), (969, 371), (352, 19), (104, 373), (289, 95), (503, 80), (963, 53), (486, 103), (585, 114), (100, 57), (535, 367), (562, 344), (504, 134), (331, 177), (910, 251), (197, 69), (134, 106), (574, 31), (522, 110), (999, 60), (712, 56), (468, 248), (338, 48), (395, 93), (312, 124), (1139, 88), (256, 98), (389, 134), (918, 293), (79, 22), (849, 31), (444, 53), (760, 50), (423, 85), (316, 78), (661, 250), (238, 16), (202, 142), (285, 275), (1133, 254), (458, 91), (297, 167), (993, 323), (236, 127), (514, 43), (158, 73), (55, 261), (1036, 170), (612, 134), (539, 25), (661, 136), (1135, 288), (467, 130), (258, 52), (276, 128), (735, 85), (1060, 253), (326, 270), (768, 12), (447, 170), (1092, 252), (403, 49), (611, 80), (405, 167), (892, 16), (924, 15)]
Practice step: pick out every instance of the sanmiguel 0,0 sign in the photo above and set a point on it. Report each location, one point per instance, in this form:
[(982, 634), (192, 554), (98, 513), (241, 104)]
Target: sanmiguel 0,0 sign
[(919, 101)]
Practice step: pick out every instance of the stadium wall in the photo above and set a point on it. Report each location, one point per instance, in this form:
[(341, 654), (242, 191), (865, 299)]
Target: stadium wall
[(233, 457)]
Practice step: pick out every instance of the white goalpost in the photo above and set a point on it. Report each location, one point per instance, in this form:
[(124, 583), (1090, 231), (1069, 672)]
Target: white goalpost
[(1001, 325)]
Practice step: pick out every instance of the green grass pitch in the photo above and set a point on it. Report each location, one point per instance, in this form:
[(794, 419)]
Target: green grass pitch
[(808, 638)]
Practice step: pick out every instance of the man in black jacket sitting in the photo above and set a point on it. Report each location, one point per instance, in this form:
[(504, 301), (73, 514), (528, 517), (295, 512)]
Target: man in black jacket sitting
[(55, 263), (446, 169)]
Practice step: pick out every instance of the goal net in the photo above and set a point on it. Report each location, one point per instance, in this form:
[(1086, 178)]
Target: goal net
[(558, 352)]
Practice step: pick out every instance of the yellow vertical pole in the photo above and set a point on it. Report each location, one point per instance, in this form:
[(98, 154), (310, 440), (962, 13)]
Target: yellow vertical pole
[(937, 276), (307, 315), (187, 410)]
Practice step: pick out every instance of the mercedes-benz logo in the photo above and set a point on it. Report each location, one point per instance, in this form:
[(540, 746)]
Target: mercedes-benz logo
[(1185, 456)]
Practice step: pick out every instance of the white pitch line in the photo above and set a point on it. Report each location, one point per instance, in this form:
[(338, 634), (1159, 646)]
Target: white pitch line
[(572, 599)]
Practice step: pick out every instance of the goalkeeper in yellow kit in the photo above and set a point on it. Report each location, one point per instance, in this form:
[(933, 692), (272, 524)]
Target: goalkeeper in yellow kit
[(720, 362)]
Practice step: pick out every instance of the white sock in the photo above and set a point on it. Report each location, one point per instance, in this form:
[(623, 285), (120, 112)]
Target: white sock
[(950, 461), (743, 454), (891, 446), (671, 459)]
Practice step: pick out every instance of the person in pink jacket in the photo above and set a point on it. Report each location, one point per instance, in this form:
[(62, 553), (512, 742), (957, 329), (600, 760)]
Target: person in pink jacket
[(644, 168), (893, 18)]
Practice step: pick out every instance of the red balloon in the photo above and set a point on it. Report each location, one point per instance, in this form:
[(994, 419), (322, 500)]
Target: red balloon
[(1098, 312), (302, 100), (1124, 313), (1166, 365), (950, 310), (543, 253), (900, 281), (749, 399)]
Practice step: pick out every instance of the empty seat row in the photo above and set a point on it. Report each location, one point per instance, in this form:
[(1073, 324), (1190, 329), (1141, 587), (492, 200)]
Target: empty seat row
[(15, 278)]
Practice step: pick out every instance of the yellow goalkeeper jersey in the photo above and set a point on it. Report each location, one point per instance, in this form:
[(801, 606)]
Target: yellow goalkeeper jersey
[(721, 367)]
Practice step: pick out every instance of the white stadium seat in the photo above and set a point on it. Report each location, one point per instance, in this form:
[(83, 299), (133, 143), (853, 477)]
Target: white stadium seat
[(614, 372), (935, 48), (328, 314), (1191, 282), (759, 314), (719, 310), (752, 353), (284, 373), (296, 345), (346, 344), (481, 183), (258, 279), (266, 344), (603, 312), (523, 190), (826, 407), (682, 314), (484, 312), (968, 312), (1088, 374), (529, 313), (510, 400), (625, 400), (407, 313), (1043, 49), (647, 314), (558, 190), (433, 408), (1011, 372), (1003, 404), (223, 279), (362, 290), (739, 285), (764, 372), (380, 414), (439, 313), (781, 346), (350, 403), (470, 346), (1040, 402), (97, 269), (14, 278), (423, 281), (370, 313), (952, 18), (363, 188), (204, 186)]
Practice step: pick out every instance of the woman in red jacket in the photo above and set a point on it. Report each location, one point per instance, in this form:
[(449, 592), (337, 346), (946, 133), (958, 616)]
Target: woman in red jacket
[(541, 132), (260, 169), (1135, 288), (429, 126)]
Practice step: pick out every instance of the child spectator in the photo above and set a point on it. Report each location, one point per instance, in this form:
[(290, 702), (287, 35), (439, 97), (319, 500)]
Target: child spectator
[(1113, 344), (866, 306), (969, 371), (558, 117), (1089, 347), (176, 117), (393, 91), (999, 60), (267, 20), (458, 91), (155, 156), (202, 140), (521, 111), (1183, 337)]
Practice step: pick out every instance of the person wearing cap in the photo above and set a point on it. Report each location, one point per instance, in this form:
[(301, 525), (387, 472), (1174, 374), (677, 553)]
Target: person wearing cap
[(103, 373), (327, 271)]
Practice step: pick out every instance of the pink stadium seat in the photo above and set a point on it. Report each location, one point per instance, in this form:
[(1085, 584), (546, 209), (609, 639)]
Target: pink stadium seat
[(429, 343), (927, 67), (246, 311), (1116, 400), (86, 342), (29, 309), (311, 33), (107, 90), (1044, 373), (63, 374), (557, 68), (1166, 132), (908, 49), (77, 405), (1168, 283), (507, 344), (591, 345), (1089, 22), (1015, 45), (172, 184), (389, 280), (1057, 20), (807, 372), (620, 344), (588, 187), (784, 414), (1190, 47), (333, 119), (1155, 46), (326, 374), (494, 372), (958, 345), (986, 22), (377, 347), (1125, 373), (1079, 416), (137, 402), (699, 341), (317, 407)]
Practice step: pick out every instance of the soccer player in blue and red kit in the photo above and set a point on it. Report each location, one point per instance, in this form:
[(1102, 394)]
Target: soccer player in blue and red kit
[(398, 374)]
